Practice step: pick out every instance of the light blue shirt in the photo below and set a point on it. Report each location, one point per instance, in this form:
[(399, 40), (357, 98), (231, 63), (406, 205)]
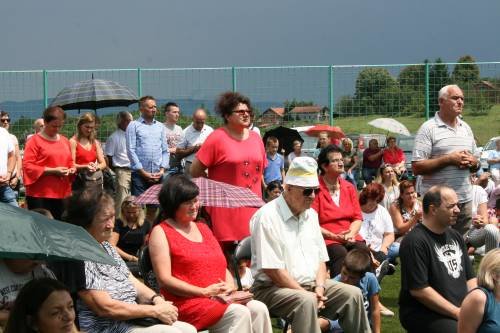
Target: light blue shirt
[(494, 154), (147, 146)]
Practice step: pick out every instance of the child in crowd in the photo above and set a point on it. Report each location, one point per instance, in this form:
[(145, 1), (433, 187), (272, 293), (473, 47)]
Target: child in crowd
[(273, 190), (356, 271), (275, 169)]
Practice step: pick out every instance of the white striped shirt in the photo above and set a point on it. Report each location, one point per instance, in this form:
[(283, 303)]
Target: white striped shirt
[(435, 139)]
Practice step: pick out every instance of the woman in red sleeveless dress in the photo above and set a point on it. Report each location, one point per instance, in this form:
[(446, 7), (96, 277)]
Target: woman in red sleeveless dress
[(191, 268), (87, 153)]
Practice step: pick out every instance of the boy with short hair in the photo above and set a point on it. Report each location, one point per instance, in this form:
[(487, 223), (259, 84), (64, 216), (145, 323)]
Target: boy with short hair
[(356, 271), (275, 169)]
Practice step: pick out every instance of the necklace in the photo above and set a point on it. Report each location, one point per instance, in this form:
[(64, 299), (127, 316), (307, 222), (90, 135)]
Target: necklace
[(332, 187)]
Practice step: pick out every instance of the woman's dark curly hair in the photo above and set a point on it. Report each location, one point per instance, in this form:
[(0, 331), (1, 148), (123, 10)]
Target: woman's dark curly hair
[(228, 101)]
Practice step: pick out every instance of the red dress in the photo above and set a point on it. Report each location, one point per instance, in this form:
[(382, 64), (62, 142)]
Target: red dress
[(235, 162), (84, 156), (40, 153), (200, 264), (332, 217)]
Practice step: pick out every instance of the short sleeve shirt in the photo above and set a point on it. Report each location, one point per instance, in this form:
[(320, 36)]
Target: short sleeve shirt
[(433, 260), (374, 226), (281, 240), (11, 283), (435, 139), (115, 281)]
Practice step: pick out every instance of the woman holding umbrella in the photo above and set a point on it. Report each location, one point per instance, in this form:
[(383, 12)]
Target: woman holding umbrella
[(87, 154), (48, 166), (235, 155)]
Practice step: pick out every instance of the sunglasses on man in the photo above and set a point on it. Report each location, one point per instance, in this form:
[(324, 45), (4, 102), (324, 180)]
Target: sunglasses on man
[(5, 120)]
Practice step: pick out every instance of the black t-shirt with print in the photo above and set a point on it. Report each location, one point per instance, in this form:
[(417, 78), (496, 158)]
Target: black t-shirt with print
[(433, 260)]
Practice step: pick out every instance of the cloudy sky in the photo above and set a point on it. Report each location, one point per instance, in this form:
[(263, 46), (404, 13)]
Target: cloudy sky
[(67, 34)]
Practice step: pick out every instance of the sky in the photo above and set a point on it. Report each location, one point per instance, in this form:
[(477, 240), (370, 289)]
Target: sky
[(100, 34)]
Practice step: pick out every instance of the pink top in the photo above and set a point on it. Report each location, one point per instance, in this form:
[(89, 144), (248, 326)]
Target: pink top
[(40, 153), (200, 264), (235, 162)]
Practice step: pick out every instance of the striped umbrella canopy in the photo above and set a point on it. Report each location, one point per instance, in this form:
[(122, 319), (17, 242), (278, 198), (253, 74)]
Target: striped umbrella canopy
[(94, 94), (212, 194)]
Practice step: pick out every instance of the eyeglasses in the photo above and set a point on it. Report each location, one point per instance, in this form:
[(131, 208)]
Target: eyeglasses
[(308, 191), (242, 112), (336, 161), (5, 120)]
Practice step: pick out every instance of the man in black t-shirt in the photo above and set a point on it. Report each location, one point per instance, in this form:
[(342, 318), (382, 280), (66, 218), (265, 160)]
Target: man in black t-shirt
[(436, 272)]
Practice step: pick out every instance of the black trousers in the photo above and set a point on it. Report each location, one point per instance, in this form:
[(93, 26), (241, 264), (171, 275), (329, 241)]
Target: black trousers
[(337, 253), (54, 206)]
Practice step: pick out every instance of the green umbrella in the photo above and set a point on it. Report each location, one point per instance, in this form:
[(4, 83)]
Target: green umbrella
[(30, 235)]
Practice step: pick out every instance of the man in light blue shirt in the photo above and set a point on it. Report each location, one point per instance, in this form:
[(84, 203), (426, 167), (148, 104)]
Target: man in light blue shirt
[(147, 148)]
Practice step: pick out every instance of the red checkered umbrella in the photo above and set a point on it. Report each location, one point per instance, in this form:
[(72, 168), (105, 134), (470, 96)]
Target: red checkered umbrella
[(212, 194)]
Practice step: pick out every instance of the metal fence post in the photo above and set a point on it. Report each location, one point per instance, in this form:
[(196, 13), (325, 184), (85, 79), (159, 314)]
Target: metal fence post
[(233, 78), (427, 97), (330, 93), (139, 82), (45, 90)]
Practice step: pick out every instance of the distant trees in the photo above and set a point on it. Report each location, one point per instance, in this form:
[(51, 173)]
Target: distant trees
[(378, 92)]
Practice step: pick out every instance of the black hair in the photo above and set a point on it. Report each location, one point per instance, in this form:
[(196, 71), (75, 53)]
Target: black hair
[(28, 303), (433, 197), (323, 156), (271, 186), (176, 190), (168, 105)]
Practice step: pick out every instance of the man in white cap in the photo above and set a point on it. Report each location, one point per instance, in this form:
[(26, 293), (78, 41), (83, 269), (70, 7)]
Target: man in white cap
[(288, 260)]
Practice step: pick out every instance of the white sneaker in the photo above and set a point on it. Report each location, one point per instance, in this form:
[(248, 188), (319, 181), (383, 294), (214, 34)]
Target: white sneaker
[(385, 311)]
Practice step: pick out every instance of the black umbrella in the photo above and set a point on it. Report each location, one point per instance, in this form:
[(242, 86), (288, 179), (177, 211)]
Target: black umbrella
[(286, 136), (94, 94)]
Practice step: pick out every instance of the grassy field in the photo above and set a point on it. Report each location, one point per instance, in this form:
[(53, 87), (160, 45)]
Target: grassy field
[(484, 127)]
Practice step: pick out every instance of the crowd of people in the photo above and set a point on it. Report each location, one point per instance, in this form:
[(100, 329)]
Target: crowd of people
[(319, 247)]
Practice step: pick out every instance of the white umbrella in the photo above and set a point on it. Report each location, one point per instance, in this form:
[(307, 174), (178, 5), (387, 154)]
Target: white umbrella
[(390, 125)]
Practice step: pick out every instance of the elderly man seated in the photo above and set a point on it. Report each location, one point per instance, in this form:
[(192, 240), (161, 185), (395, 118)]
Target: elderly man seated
[(288, 260)]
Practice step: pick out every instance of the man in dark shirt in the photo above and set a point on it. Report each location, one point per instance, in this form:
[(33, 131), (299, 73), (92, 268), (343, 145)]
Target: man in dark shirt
[(436, 272), (372, 159)]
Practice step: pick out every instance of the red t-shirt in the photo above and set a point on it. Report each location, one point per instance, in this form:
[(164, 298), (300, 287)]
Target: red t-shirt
[(40, 153), (393, 156), (236, 162), (335, 218)]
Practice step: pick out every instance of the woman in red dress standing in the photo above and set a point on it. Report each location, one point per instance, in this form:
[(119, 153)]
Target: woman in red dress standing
[(191, 268), (235, 155), (48, 166), (338, 209), (87, 154)]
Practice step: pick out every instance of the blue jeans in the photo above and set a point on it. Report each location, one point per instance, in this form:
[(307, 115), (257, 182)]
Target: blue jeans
[(8, 196), (369, 174), (393, 252), (352, 177)]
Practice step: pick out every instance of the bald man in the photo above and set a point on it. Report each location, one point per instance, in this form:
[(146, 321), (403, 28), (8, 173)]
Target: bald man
[(194, 136)]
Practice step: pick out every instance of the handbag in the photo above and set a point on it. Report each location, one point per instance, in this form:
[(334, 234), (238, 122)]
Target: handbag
[(109, 181), (238, 296), (86, 179)]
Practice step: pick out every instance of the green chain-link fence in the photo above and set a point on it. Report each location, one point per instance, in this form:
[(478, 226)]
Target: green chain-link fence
[(348, 96)]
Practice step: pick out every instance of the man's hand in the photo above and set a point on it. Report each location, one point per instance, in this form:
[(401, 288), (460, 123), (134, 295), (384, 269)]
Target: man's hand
[(319, 291), (4, 180)]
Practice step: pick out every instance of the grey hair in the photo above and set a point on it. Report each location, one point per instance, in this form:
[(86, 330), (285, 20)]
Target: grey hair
[(123, 115), (443, 92)]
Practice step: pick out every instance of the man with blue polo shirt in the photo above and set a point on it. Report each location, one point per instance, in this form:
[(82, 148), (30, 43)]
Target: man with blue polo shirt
[(275, 169)]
